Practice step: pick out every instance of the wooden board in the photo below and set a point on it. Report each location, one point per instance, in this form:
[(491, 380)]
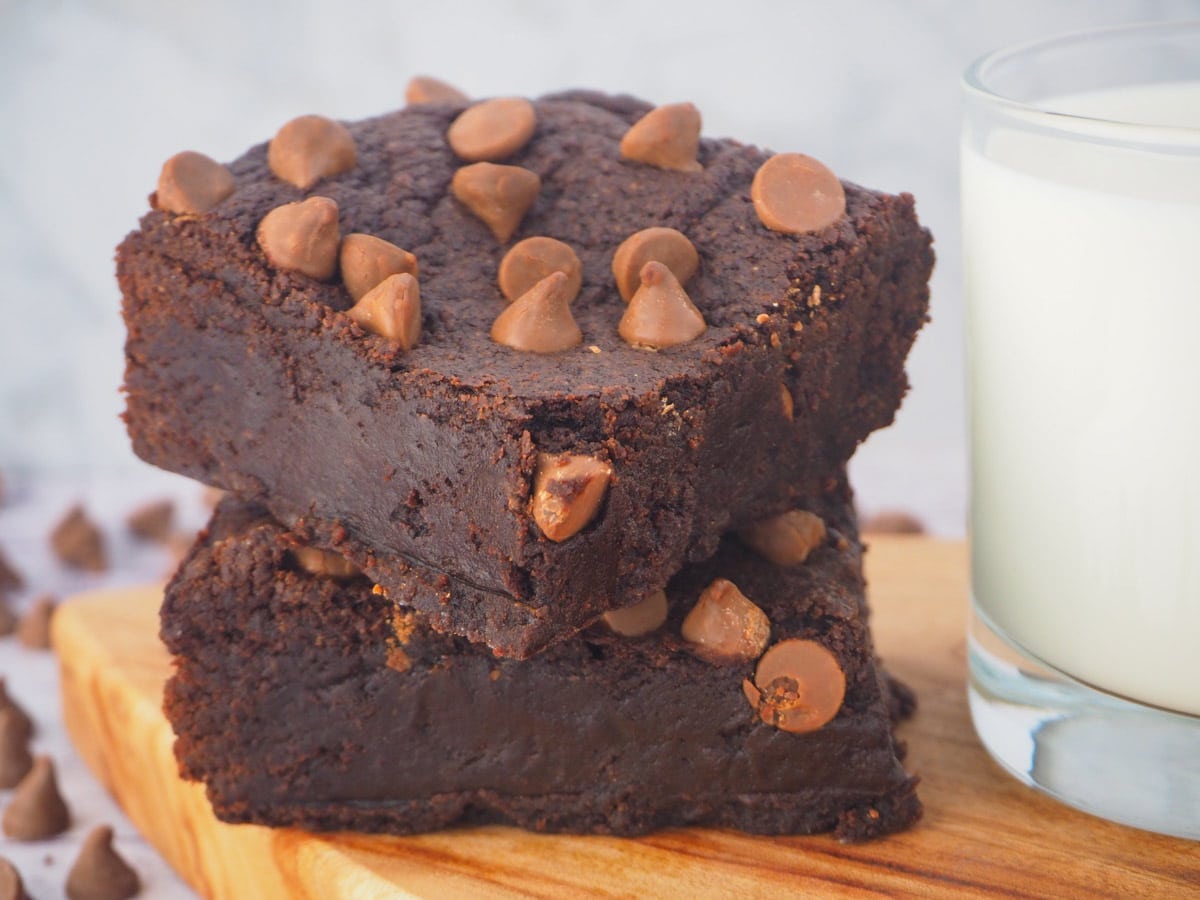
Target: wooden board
[(983, 834)]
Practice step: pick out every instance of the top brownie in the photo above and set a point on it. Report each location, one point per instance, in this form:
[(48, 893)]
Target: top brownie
[(432, 461)]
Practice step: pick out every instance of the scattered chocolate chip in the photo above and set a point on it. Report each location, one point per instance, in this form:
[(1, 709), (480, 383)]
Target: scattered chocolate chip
[(640, 618), (798, 686), (725, 626), (10, 578), (794, 193), (667, 137), (15, 759), (365, 261), (664, 245), (33, 631), (302, 237), (99, 872), (893, 521), (152, 521), (786, 539), (660, 313), (492, 129), (391, 309), (193, 183), (78, 542), (36, 810), (8, 618), (11, 886), (568, 489), (424, 89), (499, 195), (309, 148), (322, 562), (531, 260), (786, 403), (540, 320), (23, 725)]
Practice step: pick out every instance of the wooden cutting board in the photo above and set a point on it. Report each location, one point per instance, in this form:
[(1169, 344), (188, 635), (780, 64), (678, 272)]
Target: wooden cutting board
[(983, 833)]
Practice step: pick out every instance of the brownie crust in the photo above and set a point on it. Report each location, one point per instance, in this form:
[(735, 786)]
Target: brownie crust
[(419, 465), (303, 700)]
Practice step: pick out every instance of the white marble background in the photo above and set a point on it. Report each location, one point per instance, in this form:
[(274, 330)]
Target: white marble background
[(95, 95)]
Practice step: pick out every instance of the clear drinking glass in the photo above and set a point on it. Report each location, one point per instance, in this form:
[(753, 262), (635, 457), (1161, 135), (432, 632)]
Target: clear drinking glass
[(1081, 234)]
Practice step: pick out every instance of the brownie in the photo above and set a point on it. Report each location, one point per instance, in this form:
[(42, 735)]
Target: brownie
[(419, 464), (312, 701)]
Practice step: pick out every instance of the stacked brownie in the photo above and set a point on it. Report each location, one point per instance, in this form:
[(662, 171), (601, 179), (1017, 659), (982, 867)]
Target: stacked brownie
[(535, 417)]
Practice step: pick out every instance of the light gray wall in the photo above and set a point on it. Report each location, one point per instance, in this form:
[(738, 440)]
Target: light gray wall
[(95, 95)]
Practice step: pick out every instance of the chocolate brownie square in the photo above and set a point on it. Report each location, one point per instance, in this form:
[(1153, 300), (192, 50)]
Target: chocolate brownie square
[(750, 699), (425, 459)]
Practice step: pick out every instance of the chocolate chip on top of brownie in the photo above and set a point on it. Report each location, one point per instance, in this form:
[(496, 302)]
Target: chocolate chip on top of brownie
[(791, 193)]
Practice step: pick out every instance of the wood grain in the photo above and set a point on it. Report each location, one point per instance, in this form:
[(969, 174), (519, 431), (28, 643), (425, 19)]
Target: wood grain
[(984, 835)]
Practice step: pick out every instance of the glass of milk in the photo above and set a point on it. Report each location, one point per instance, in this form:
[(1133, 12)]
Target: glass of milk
[(1081, 234)]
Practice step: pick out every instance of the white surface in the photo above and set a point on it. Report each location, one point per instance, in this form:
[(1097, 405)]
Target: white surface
[(32, 509), (1083, 286), (95, 95)]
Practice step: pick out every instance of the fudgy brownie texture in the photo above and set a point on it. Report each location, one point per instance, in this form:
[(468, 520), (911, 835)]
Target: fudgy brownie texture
[(303, 700), (419, 465)]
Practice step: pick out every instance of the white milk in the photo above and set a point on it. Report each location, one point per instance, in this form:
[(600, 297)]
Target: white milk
[(1083, 290)]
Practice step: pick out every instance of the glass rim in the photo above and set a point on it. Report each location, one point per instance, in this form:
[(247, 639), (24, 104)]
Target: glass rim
[(974, 82)]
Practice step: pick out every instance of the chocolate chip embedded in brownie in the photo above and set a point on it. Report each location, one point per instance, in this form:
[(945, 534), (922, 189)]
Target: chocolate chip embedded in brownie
[(774, 358), (304, 697)]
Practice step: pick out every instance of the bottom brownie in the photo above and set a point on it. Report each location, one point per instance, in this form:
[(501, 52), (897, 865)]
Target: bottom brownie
[(312, 700)]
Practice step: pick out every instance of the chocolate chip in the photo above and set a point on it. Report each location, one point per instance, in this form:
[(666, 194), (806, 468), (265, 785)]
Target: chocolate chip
[(322, 562), (15, 759), (794, 193), (725, 626), (660, 313), (786, 539), (667, 137), (152, 521), (99, 872), (193, 183), (33, 631), (22, 724), (664, 245), (36, 810), (893, 522), (640, 618), (540, 320), (499, 195), (424, 89), (78, 542), (492, 129), (309, 148), (798, 686), (365, 261), (11, 886), (531, 260), (392, 309), (8, 618), (10, 578), (568, 489), (302, 237)]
